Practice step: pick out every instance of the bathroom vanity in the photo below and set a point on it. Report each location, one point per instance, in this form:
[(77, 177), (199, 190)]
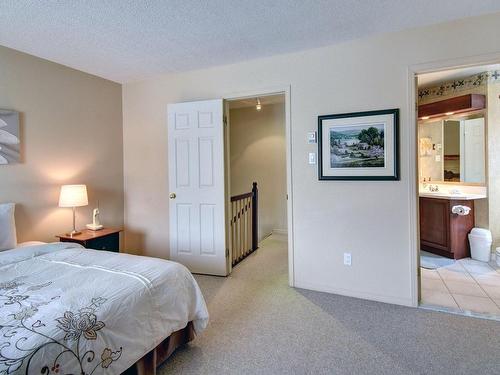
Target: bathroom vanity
[(441, 231), (452, 172)]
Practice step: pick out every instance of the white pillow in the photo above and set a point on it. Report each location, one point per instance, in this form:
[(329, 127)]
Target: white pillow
[(8, 238)]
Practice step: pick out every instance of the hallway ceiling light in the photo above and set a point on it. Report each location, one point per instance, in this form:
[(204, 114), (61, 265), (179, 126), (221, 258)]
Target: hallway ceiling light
[(258, 107)]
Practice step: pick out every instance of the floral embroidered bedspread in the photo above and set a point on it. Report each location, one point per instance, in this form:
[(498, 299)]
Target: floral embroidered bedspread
[(69, 310)]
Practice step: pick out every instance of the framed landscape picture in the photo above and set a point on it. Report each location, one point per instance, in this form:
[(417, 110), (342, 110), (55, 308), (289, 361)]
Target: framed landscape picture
[(359, 146)]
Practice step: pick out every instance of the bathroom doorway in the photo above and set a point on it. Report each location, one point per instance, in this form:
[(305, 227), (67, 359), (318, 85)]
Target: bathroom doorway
[(458, 190)]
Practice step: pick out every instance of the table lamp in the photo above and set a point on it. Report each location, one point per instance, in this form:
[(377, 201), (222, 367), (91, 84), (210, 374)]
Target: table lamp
[(73, 196)]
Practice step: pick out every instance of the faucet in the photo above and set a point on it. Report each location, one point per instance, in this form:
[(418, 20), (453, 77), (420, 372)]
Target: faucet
[(434, 188)]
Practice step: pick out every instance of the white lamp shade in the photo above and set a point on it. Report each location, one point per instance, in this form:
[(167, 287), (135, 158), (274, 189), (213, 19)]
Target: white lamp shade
[(73, 196)]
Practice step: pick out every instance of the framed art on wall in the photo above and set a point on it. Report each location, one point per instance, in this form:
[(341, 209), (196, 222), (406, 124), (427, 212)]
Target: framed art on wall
[(359, 146), (9, 137)]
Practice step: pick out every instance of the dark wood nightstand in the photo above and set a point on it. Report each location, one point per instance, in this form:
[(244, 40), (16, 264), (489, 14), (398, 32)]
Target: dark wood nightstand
[(105, 239)]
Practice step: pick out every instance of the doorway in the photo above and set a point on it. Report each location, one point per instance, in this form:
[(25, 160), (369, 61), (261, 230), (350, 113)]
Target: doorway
[(456, 194), (199, 184), (256, 175)]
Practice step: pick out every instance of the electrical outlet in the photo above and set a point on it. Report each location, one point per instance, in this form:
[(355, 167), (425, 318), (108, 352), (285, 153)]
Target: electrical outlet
[(438, 157), (312, 158), (347, 259)]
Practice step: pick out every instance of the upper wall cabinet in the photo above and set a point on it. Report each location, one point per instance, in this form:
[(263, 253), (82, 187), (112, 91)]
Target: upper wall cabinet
[(452, 106)]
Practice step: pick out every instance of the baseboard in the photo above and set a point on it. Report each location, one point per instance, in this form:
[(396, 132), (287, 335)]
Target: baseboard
[(283, 232), (356, 294)]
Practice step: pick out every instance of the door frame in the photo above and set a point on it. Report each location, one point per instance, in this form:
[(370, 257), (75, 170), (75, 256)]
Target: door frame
[(285, 89), (412, 138)]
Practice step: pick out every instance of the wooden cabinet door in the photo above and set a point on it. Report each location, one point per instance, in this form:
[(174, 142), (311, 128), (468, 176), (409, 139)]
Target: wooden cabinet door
[(434, 224), (460, 226)]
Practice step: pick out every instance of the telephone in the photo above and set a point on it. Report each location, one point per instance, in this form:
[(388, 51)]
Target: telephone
[(96, 225)]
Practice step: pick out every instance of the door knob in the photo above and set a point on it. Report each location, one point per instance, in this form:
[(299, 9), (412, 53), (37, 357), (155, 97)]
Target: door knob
[(173, 196)]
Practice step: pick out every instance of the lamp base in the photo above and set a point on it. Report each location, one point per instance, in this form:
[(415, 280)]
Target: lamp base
[(74, 233)]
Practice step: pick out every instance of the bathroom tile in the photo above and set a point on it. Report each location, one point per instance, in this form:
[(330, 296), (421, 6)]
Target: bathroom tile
[(477, 304), (456, 275), (433, 298), (474, 266), (489, 279), (469, 260), (492, 291), (456, 267), (493, 264), (433, 284), (470, 288), (429, 274)]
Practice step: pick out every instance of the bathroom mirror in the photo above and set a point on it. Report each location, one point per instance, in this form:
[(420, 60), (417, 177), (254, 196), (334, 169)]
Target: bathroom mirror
[(453, 150)]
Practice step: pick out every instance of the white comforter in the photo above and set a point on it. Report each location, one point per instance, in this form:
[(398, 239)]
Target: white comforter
[(69, 310)]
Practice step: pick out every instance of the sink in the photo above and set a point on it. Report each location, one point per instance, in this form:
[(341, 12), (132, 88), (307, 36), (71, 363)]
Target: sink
[(451, 196)]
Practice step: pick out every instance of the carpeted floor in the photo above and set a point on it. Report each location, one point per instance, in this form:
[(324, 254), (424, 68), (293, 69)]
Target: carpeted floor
[(259, 325)]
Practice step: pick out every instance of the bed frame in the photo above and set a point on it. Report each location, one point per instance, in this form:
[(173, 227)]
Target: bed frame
[(148, 364)]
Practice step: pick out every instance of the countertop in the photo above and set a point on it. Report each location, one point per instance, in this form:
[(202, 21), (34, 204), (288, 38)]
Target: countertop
[(446, 195)]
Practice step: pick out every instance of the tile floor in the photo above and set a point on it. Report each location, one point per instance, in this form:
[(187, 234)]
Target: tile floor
[(467, 286)]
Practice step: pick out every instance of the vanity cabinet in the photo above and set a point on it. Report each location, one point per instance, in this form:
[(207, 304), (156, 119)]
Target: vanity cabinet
[(442, 232)]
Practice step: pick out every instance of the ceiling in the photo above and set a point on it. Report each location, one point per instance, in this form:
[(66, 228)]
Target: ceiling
[(252, 102), (435, 78), (128, 40)]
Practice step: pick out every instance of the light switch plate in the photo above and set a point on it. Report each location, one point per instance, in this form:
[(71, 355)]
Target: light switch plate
[(312, 158), (311, 137), (347, 259)]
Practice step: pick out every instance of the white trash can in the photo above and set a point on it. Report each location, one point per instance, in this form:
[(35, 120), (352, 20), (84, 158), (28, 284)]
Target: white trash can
[(480, 244)]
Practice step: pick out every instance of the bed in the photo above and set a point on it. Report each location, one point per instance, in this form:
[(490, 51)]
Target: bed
[(69, 310)]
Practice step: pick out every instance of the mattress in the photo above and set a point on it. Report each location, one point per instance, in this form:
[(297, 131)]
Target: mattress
[(67, 309)]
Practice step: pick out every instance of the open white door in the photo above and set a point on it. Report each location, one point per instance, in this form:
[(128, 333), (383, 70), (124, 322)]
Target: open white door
[(196, 184), (474, 151)]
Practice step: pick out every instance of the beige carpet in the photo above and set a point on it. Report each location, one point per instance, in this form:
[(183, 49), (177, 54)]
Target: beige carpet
[(261, 326)]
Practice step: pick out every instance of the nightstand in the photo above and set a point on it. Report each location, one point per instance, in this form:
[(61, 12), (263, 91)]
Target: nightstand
[(105, 239)]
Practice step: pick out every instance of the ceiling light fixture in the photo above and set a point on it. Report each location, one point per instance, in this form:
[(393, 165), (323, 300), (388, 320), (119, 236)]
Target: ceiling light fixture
[(424, 117), (258, 107), (449, 113)]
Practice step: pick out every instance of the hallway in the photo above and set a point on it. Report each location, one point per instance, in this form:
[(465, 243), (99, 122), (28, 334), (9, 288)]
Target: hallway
[(259, 325)]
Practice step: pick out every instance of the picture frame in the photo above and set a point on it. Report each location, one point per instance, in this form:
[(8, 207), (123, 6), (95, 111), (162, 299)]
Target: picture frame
[(359, 146), (10, 143)]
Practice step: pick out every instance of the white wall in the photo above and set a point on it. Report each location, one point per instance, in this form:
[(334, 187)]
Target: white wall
[(494, 162), (71, 132), (258, 153), (369, 219)]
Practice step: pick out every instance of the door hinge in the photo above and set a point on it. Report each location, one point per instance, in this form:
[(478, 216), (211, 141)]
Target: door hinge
[(225, 120), (227, 253)]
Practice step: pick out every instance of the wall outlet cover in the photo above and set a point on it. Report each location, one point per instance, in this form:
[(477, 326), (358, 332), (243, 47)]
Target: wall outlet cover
[(312, 158)]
